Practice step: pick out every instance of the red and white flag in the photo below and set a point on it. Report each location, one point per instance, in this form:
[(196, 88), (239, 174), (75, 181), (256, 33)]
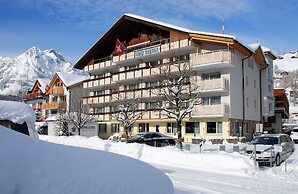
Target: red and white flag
[(119, 48)]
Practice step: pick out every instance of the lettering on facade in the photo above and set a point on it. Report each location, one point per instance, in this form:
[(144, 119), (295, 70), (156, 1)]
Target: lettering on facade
[(147, 51), (89, 131)]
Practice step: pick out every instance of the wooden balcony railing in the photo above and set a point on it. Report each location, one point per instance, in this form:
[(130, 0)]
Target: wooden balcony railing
[(56, 91), (54, 105)]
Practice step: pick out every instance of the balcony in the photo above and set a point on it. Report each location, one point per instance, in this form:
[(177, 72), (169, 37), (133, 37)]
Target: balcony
[(32, 96), (214, 85), (56, 91), (216, 110), (212, 59), (146, 52), (54, 105)]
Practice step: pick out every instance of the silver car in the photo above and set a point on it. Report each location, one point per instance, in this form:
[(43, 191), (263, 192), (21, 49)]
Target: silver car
[(271, 148)]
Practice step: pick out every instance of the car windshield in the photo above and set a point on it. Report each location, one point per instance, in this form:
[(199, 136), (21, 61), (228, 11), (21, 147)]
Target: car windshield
[(265, 140), (295, 130)]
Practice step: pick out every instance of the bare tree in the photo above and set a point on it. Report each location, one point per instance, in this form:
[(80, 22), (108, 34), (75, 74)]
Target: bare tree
[(178, 91), (79, 114), (126, 112)]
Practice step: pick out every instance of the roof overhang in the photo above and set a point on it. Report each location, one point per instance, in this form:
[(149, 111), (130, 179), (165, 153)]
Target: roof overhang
[(222, 41)]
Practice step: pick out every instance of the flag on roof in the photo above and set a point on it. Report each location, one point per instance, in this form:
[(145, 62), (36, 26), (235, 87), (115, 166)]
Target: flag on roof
[(119, 48)]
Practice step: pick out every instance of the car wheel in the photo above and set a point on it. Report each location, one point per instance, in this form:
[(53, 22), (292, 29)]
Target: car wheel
[(165, 143), (277, 160)]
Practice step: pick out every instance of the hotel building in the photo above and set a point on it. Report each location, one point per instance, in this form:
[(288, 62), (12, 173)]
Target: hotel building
[(237, 93)]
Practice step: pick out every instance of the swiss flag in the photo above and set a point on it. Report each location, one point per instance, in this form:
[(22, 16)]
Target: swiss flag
[(119, 48)]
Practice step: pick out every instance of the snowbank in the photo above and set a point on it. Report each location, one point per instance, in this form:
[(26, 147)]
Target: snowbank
[(32, 166), (219, 162), (16, 112)]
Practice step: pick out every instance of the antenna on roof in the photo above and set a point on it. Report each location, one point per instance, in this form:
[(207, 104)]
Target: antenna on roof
[(223, 25)]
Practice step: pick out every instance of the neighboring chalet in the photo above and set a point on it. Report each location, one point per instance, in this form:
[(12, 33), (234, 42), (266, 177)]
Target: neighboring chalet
[(36, 97), (58, 96), (281, 111), (58, 93), (237, 79)]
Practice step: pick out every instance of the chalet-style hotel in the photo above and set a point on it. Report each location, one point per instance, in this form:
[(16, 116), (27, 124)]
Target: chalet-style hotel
[(237, 78)]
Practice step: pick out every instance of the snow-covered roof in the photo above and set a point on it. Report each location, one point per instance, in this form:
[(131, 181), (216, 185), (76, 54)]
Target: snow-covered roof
[(43, 84), (16, 112), (70, 79), (51, 118), (176, 27)]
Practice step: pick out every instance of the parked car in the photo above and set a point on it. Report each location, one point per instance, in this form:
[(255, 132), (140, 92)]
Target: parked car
[(294, 134), (271, 148), (153, 139)]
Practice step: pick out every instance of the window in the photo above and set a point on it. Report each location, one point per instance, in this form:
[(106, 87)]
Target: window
[(236, 127), (143, 127), (192, 127), (132, 67), (246, 128), (102, 128), (270, 107), (214, 127), (131, 87), (255, 103), (98, 93), (152, 84), (184, 57), (255, 84), (250, 63), (114, 127), (211, 100), (212, 75), (246, 80), (151, 105), (98, 110), (184, 104), (152, 63), (172, 128), (247, 103)]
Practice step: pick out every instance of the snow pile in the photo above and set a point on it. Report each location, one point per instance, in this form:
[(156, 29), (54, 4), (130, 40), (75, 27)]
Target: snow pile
[(33, 166), (20, 73), (219, 162), (16, 112)]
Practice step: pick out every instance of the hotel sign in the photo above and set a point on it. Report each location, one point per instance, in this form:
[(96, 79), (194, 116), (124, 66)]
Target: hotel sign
[(147, 51)]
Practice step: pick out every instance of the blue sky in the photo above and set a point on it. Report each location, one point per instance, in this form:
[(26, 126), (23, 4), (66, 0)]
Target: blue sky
[(71, 27)]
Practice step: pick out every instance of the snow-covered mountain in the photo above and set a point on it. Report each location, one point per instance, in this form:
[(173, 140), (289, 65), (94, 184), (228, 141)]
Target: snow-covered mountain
[(20, 73), (287, 62)]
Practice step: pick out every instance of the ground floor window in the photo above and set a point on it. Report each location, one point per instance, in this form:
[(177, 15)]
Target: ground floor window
[(115, 127), (236, 127), (102, 128), (143, 127), (171, 127), (192, 127), (214, 127), (246, 128)]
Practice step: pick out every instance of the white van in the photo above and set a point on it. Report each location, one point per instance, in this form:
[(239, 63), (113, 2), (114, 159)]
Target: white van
[(294, 134)]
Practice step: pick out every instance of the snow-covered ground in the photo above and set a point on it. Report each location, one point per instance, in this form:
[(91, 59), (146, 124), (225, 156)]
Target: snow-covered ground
[(32, 166), (207, 172)]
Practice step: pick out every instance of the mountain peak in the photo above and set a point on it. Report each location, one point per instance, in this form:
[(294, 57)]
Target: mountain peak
[(21, 72)]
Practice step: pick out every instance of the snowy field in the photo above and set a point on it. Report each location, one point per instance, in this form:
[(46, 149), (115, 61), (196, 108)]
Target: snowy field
[(207, 172)]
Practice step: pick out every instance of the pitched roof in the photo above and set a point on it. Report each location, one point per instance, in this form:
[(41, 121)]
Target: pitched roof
[(127, 25), (70, 79)]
